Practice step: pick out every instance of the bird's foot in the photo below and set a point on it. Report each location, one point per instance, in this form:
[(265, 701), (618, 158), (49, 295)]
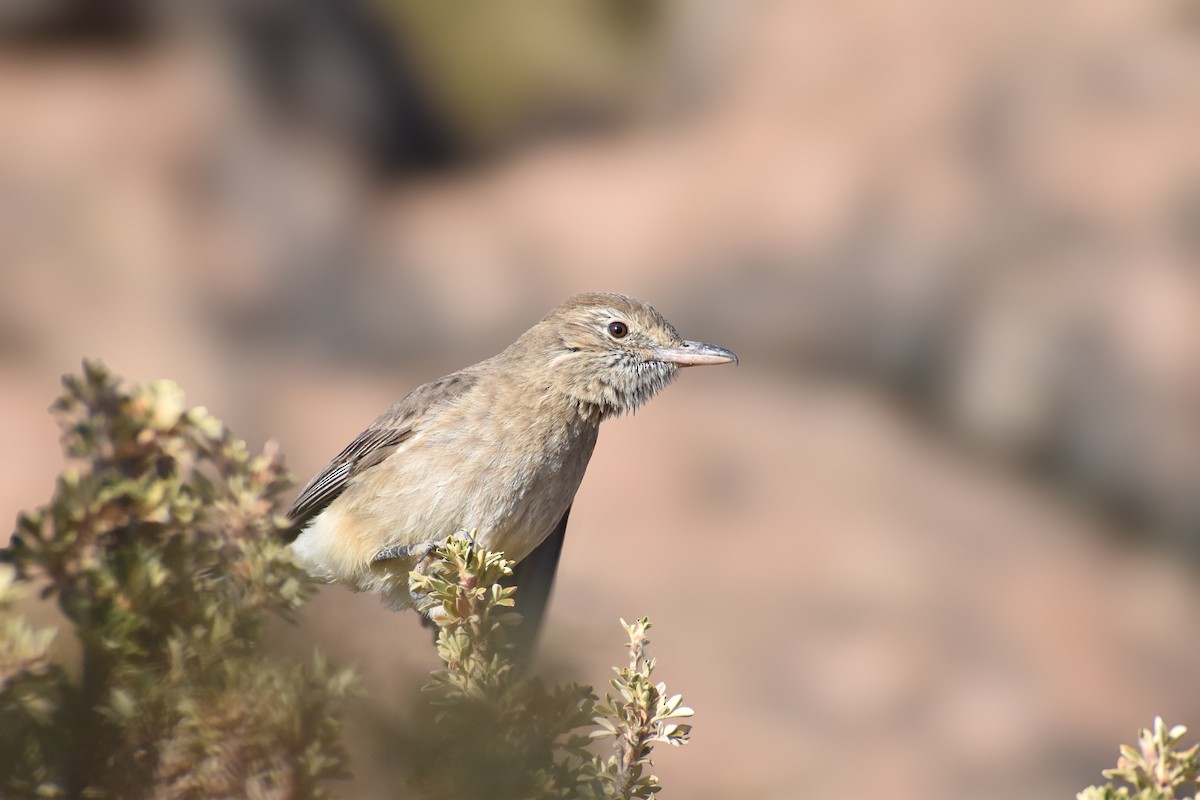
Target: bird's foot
[(418, 553), (405, 551), (421, 556)]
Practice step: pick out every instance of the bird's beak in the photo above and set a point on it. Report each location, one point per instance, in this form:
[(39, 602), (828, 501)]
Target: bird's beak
[(694, 354)]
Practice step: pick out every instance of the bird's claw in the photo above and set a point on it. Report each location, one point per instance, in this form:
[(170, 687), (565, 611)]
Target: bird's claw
[(461, 535)]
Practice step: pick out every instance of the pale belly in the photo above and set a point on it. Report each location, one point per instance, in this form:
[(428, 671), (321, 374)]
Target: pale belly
[(508, 498)]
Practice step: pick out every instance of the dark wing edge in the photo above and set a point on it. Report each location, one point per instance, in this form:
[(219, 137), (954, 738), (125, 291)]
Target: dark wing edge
[(534, 579), (368, 449)]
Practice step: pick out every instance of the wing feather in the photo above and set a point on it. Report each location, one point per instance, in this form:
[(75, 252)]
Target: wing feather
[(390, 430)]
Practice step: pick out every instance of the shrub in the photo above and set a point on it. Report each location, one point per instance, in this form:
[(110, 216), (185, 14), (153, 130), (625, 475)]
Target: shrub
[(162, 545)]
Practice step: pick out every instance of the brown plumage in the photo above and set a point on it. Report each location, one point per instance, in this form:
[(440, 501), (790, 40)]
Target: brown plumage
[(496, 450)]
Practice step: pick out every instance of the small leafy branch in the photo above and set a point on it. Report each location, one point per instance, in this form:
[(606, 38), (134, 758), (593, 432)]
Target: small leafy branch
[(640, 715), (1156, 770), (519, 738), (162, 546)]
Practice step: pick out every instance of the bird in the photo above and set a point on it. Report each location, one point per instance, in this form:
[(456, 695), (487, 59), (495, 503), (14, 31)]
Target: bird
[(495, 451)]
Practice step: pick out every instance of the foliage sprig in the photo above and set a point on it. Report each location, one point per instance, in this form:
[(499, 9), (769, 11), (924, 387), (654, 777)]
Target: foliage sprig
[(500, 734), (1157, 769)]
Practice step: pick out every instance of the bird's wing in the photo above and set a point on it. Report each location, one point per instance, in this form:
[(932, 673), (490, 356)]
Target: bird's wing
[(534, 578), (391, 429)]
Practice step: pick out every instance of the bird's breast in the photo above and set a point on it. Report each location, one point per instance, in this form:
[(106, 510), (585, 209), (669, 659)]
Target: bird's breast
[(493, 464), (508, 481)]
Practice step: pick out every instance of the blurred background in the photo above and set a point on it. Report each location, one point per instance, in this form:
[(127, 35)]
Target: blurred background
[(936, 537)]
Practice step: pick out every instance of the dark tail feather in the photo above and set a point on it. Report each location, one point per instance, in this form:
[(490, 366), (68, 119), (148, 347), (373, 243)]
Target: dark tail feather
[(534, 579)]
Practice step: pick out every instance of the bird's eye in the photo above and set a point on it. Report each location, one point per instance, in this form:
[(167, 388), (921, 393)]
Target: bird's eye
[(618, 330)]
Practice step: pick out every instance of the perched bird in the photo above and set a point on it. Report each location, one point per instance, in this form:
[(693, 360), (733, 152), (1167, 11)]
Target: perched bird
[(495, 451)]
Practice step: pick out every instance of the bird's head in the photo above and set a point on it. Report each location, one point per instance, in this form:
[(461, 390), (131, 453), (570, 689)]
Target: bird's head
[(610, 353)]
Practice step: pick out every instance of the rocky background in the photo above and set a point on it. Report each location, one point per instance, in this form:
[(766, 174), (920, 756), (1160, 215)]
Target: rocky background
[(935, 537)]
